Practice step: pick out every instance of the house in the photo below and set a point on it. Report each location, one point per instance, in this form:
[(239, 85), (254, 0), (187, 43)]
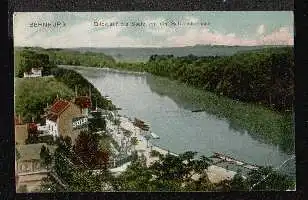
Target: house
[(28, 169), (60, 117), (35, 72), (21, 131)]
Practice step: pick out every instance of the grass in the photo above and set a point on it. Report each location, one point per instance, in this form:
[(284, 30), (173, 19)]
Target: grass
[(33, 94)]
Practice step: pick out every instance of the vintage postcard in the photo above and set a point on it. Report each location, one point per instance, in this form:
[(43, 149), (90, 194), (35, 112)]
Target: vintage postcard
[(154, 101)]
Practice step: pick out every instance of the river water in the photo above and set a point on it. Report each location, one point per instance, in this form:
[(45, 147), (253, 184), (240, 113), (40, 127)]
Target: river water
[(142, 96)]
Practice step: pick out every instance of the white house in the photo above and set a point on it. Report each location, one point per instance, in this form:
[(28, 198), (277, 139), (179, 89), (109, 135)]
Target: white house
[(35, 72), (52, 127)]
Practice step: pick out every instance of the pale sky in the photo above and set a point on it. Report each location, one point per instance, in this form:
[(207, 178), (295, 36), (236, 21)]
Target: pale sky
[(244, 28)]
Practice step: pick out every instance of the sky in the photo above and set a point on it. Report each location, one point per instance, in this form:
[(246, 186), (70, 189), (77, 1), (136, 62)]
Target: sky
[(159, 29)]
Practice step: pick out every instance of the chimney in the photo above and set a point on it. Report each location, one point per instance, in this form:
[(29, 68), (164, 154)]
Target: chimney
[(19, 119), (75, 90)]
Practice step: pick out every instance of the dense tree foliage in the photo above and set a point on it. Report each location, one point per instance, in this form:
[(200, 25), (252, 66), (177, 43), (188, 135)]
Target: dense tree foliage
[(64, 57), (263, 179), (27, 59), (97, 123), (46, 157), (91, 151), (74, 80), (265, 76)]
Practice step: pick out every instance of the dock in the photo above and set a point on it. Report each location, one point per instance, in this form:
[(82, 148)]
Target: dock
[(225, 158)]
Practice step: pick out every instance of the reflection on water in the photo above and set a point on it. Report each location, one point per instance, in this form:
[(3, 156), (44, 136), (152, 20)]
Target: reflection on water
[(170, 117)]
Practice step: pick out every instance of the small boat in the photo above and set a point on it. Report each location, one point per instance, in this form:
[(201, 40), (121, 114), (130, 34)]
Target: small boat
[(154, 135)]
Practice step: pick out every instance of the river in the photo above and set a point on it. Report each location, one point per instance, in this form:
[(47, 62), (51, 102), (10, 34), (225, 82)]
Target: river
[(152, 99)]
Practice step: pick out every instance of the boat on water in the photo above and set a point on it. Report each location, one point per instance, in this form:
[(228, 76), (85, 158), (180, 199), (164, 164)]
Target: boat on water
[(154, 135), (141, 124)]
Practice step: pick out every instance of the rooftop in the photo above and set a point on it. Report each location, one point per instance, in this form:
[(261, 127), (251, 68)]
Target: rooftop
[(59, 106)]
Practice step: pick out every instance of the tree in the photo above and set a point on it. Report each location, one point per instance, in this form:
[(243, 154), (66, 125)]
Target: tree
[(134, 142), (45, 156), (147, 137), (127, 135), (86, 148), (171, 170), (92, 150), (266, 178), (238, 182), (97, 123), (31, 59)]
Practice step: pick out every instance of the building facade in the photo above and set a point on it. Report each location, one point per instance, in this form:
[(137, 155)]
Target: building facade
[(35, 72), (60, 117)]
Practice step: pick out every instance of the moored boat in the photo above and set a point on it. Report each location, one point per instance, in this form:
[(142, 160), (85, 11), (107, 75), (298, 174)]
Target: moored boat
[(154, 135)]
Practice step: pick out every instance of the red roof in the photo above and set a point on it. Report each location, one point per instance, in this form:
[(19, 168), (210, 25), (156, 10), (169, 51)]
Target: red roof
[(83, 101), (58, 107)]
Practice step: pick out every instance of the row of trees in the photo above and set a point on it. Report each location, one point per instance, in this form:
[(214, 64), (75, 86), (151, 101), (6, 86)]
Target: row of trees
[(169, 173), (62, 57), (265, 76)]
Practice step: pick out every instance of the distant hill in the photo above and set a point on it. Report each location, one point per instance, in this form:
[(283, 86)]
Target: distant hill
[(132, 54), (143, 54)]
